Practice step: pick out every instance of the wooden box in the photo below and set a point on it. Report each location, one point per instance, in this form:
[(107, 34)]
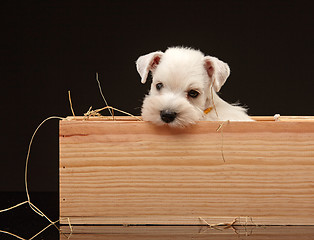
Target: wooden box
[(190, 233), (132, 172)]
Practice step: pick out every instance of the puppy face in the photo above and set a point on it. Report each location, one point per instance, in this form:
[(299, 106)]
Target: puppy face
[(180, 89)]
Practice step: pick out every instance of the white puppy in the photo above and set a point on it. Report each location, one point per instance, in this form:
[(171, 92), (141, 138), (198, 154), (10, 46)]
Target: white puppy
[(184, 87)]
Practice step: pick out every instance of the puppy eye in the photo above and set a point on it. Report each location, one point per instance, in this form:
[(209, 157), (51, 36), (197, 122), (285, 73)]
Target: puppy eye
[(159, 86), (193, 93)]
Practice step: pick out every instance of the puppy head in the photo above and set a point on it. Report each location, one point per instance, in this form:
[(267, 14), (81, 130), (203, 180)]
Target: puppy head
[(180, 90)]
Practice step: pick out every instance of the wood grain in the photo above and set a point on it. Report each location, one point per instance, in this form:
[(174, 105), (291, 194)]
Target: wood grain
[(190, 232), (132, 172)]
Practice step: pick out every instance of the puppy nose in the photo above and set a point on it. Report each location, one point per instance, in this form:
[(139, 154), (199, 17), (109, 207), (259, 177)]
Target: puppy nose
[(167, 116)]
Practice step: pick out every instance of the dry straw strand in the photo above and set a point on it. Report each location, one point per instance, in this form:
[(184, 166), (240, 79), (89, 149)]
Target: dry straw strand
[(44, 229), (226, 225), (92, 113), (96, 113), (220, 128), (71, 106), (230, 225), (89, 113), (29, 150), (11, 234), (31, 205), (103, 97), (37, 234), (15, 206)]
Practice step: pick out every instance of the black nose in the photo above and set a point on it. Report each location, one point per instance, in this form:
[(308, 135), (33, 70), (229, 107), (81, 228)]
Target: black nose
[(167, 116)]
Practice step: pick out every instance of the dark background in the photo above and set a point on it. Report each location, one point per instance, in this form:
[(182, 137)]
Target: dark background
[(50, 47)]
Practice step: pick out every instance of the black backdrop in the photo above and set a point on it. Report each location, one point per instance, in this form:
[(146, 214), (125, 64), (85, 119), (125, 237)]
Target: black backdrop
[(50, 47)]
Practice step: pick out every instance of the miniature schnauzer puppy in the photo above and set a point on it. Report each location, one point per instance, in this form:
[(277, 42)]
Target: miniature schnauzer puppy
[(184, 86)]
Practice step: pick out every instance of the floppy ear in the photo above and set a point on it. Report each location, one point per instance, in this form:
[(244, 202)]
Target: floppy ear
[(147, 63), (217, 70)]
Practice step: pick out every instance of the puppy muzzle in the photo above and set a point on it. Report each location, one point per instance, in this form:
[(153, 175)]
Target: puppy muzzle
[(168, 116)]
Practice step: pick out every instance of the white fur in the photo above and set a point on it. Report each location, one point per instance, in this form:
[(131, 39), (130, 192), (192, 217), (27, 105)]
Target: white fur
[(181, 70)]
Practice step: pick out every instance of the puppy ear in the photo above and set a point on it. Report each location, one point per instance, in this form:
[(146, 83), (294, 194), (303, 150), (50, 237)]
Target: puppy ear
[(147, 63), (217, 70)]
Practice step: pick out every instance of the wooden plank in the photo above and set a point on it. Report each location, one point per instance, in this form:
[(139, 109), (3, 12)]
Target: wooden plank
[(138, 118), (190, 232), (132, 172)]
